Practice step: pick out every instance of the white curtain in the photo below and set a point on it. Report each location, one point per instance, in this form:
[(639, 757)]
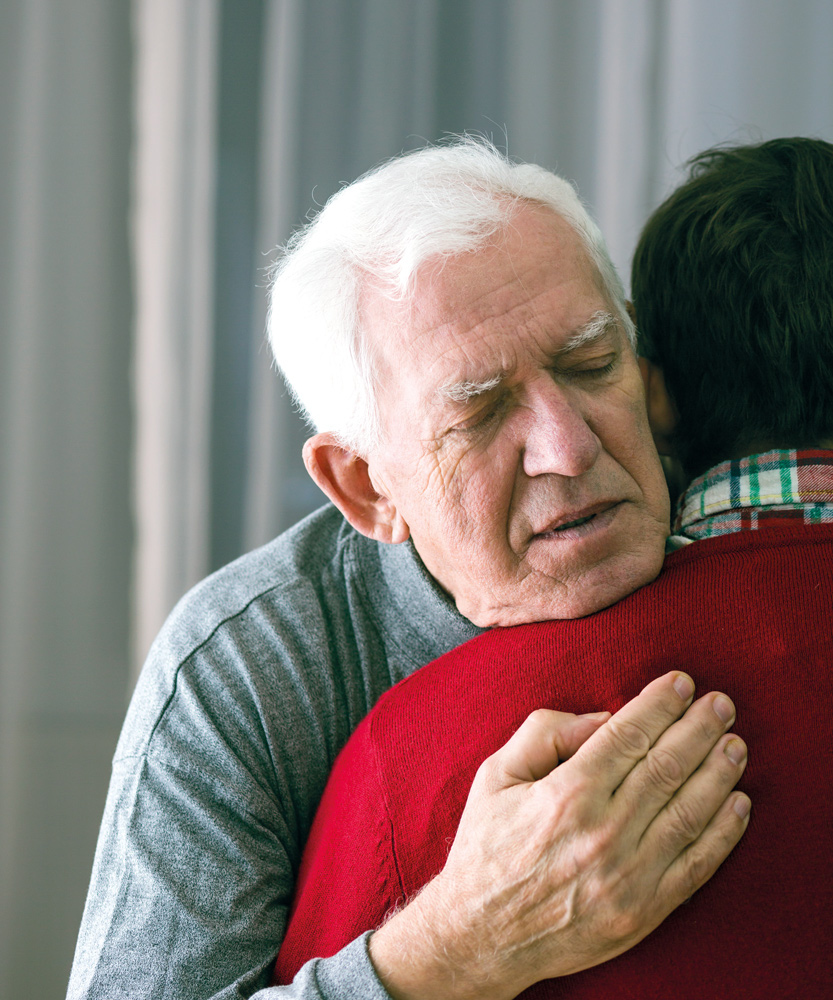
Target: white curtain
[(154, 153), (176, 77), (65, 439)]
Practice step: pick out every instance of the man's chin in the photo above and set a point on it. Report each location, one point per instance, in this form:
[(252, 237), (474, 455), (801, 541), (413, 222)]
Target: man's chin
[(551, 600)]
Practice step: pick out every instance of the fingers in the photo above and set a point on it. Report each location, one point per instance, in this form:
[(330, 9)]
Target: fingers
[(543, 740), (675, 756), (610, 755), (573, 734), (696, 865), (690, 812), (554, 869)]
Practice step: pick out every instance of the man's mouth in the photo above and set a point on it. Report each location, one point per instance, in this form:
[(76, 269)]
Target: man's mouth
[(602, 512), (574, 524)]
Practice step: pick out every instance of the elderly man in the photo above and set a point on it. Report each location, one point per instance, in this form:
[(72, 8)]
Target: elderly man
[(733, 284), (453, 327)]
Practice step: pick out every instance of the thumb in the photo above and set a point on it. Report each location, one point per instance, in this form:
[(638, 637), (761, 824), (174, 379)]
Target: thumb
[(543, 740)]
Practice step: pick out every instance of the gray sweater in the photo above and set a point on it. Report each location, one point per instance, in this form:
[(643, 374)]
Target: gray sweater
[(249, 692)]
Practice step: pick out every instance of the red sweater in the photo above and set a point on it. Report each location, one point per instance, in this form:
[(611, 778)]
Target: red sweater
[(749, 614)]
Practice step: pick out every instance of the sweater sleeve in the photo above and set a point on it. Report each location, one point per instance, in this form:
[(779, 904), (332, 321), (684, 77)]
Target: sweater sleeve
[(222, 761), (348, 882), (152, 937), (344, 976)]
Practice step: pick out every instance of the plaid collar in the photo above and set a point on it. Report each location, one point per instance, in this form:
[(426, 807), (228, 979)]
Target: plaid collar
[(760, 491)]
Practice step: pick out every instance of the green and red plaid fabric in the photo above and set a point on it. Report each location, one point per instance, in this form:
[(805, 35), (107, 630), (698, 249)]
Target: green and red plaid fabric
[(760, 491)]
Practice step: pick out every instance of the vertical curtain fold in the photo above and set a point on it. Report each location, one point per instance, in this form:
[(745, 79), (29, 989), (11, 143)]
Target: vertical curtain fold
[(630, 46), (272, 423), (65, 526), (173, 227)]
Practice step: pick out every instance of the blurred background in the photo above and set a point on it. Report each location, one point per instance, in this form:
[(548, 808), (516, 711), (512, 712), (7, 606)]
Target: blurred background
[(152, 155)]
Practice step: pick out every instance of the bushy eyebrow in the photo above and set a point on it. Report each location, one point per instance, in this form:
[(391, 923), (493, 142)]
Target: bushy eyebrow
[(599, 325), (462, 392)]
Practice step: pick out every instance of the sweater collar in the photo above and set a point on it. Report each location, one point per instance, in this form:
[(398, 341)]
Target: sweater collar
[(414, 609)]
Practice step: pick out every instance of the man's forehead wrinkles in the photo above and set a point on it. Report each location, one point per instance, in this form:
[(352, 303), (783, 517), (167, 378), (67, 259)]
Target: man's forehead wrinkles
[(496, 324), (447, 297)]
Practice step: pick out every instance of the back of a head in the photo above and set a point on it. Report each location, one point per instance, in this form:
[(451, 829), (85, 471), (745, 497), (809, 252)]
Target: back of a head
[(732, 283)]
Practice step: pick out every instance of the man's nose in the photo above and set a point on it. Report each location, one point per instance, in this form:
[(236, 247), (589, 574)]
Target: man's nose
[(558, 438)]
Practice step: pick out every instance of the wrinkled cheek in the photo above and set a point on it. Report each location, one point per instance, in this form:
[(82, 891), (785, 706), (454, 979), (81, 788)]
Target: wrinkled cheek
[(448, 488), (477, 514), (470, 505), (440, 476)]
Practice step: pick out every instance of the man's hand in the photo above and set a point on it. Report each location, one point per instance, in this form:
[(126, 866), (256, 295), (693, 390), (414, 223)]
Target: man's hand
[(556, 869)]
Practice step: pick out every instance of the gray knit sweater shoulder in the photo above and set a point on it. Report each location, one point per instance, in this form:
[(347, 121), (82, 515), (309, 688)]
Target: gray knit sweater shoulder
[(248, 694)]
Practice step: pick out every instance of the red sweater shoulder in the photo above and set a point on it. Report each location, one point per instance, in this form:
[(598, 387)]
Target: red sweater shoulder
[(749, 614)]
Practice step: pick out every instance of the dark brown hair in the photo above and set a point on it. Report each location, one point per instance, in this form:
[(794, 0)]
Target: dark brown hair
[(732, 283)]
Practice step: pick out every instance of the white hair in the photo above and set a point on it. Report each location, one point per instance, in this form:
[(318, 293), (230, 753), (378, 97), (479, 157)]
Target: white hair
[(435, 203)]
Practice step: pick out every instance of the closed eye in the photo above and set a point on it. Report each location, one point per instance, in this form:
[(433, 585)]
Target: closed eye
[(596, 370), (482, 419), (593, 368)]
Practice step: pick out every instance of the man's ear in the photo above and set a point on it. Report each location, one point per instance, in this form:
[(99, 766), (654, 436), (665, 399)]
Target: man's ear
[(345, 478), (662, 413)]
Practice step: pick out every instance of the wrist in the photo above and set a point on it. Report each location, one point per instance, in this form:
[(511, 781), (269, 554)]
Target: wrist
[(423, 952)]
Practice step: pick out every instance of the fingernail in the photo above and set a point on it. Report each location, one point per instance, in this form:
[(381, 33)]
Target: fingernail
[(684, 686), (742, 806), (723, 708), (735, 750), (601, 716)]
